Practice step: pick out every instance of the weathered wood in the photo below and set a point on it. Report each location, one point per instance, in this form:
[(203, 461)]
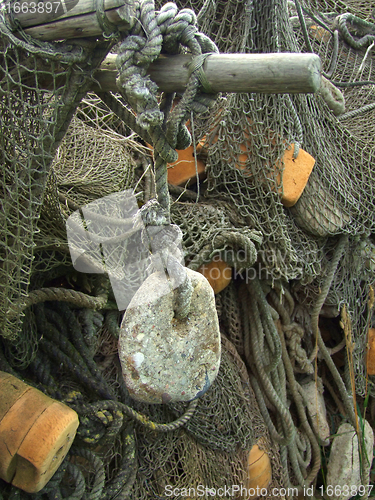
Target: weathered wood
[(64, 19), (282, 73)]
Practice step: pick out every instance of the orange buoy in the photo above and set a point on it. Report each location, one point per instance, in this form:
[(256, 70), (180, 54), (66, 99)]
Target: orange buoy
[(217, 272), (295, 171), (370, 361), (295, 175), (186, 168), (36, 433), (184, 171), (259, 472)]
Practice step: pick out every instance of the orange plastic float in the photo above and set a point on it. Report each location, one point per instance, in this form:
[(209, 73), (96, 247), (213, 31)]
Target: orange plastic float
[(183, 171), (36, 433), (259, 471), (295, 175), (218, 273)]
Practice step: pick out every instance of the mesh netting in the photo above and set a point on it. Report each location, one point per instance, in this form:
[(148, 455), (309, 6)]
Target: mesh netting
[(39, 93), (246, 135)]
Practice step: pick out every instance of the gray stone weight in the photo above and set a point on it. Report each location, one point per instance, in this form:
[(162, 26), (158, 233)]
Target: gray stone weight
[(344, 470), (165, 359)]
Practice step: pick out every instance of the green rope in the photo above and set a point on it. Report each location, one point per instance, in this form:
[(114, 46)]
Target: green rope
[(348, 403), (143, 420), (109, 29), (79, 299), (303, 26), (196, 65), (354, 84), (76, 476), (98, 468), (82, 367), (357, 112), (301, 409), (272, 393), (115, 105), (125, 478), (363, 42), (334, 59), (71, 53)]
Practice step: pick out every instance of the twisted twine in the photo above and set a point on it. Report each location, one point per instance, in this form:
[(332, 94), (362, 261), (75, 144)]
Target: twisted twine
[(171, 29), (264, 345)]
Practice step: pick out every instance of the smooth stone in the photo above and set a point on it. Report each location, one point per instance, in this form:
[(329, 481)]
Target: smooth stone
[(165, 359), (344, 465), (316, 409)]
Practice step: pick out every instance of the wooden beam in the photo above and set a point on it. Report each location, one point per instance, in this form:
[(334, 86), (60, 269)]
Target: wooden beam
[(65, 19), (281, 73)]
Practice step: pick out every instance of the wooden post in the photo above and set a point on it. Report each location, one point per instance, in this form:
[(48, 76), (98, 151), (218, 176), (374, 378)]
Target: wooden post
[(282, 73), (65, 19), (261, 73)]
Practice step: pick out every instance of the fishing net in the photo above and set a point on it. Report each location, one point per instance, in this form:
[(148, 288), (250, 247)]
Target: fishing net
[(62, 148), (246, 135), (40, 89), (76, 363)]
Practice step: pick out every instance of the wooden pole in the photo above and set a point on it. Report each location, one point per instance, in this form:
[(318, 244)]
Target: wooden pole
[(65, 19), (281, 73)]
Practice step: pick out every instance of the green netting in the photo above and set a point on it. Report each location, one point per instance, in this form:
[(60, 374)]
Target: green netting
[(39, 93), (253, 130)]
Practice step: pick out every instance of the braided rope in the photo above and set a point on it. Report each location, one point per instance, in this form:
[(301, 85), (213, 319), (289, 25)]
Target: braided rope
[(270, 386), (298, 448), (98, 467), (116, 406), (109, 29), (359, 111), (342, 21), (301, 408), (242, 242), (80, 299), (172, 28)]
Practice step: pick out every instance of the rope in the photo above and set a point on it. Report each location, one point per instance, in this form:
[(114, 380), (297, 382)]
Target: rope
[(125, 478), (260, 357), (79, 299), (297, 124), (170, 28), (81, 366), (357, 112), (303, 26), (71, 53), (115, 105), (301, 409), (294, 334), (196, 65), (141, 419), (298, 448), (348, 403), (109, 29), (342, 21), (354, 84), (98, 468), (332, 96), (236, 247), (335, 53)]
